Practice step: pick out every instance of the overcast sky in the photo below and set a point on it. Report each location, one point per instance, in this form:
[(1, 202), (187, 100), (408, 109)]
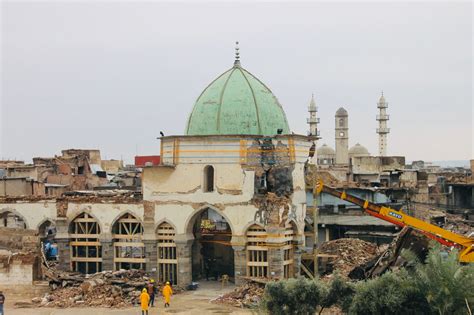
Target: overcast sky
[(111, 75)]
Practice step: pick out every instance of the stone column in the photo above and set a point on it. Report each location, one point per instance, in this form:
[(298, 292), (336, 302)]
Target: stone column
[(298, 252), (107, 253), (62, 240), (240, 258), (275, 252), (184, 243), (151, 248)]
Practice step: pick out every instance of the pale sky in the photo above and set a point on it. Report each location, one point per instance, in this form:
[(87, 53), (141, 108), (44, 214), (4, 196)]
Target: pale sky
[(111, 75)]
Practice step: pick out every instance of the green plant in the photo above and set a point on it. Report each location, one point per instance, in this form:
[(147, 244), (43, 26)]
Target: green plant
[(293, 296), (339, 292)]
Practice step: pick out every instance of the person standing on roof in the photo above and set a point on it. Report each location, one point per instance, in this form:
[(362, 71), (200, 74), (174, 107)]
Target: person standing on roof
[(144, 300), (167, 293), (151, 292)]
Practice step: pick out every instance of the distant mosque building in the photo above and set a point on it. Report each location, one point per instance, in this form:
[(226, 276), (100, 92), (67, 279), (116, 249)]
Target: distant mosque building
[(342, 156)]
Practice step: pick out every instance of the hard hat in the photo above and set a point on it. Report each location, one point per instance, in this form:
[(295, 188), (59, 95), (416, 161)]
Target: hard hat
[(144, 290), (152, 280), (167, 282)]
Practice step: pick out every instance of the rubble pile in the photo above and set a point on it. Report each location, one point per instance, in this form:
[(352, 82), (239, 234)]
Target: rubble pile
[(115, 289), (457, 224), (246, 295), (350, 253)]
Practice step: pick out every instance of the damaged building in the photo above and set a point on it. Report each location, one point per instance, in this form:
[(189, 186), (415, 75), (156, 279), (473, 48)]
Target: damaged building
[(226, 198)]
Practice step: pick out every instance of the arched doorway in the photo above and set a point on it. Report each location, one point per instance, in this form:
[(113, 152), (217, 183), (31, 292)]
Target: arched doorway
[(47, 230), (129, 249), (212, 253), (86, 249), (12, 220)]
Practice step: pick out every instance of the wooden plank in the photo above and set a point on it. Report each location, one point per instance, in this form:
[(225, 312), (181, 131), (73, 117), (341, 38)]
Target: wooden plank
[(167, 261), (166, 245), (86, 259), (84, 236), (79, 243), (129, 260), (129, 244), (257, 263), (257, 248)]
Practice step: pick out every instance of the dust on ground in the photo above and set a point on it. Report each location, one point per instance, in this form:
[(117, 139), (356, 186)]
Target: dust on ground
[(188, 302)]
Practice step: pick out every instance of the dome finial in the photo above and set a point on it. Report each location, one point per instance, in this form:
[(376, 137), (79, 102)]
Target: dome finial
[(237, 54)]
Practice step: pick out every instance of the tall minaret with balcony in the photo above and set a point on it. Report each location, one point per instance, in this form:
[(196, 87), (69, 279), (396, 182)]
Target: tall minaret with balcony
[(313, 120), (382, 130), (313, 131)]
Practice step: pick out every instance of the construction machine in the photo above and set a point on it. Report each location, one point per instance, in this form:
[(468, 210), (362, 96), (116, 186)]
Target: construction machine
[(463, 243)]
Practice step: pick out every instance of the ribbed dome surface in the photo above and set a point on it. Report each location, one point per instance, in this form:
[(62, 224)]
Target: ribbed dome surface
[(341, 112), (237, 103)]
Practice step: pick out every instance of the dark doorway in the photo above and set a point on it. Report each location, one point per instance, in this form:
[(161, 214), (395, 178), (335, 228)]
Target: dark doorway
[(212, 253)]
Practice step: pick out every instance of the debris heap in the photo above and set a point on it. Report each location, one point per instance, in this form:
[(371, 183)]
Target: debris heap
[(115, 289), (247, 295), (350, 253)]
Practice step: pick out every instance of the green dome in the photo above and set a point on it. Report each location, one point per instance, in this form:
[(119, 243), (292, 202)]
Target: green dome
[(237, 103)]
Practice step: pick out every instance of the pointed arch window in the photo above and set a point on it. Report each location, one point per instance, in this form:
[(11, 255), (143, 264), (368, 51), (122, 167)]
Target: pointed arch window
[(86, 249), (167, 259), (129, 249)]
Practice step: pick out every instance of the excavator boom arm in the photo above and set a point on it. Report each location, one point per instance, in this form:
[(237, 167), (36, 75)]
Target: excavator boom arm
[(399, 218)]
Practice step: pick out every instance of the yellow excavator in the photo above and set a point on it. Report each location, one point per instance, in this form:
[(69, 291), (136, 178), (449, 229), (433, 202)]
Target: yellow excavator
[(463, 243)]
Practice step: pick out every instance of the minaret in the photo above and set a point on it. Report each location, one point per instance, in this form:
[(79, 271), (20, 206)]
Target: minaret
[(342, 137), (313, 120), (382, 130)]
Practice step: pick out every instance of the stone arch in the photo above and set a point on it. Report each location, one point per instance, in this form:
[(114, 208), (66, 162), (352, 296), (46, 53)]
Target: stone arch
[(188, 224), (43, 226), (164, 220), (86, 250), (129, 248), (121, 214), (251, 223), (74, 215), (212, 254), (4, 220)]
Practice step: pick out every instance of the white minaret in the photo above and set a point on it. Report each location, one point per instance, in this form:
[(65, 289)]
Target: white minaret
[(382, 130), (342, 137), (313, 120)]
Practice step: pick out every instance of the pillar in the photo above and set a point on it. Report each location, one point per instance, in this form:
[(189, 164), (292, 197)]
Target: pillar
[(275, 252), (240, 258), (107, 253), (62, 240), (151, 247), (184, 243)]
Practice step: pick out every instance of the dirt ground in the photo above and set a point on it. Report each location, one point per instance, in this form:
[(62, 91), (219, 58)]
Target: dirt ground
[(189, 302)]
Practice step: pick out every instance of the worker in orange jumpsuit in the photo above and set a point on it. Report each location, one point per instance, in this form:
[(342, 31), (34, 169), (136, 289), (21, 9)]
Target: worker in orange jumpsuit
[(144, 300), (167, 293)]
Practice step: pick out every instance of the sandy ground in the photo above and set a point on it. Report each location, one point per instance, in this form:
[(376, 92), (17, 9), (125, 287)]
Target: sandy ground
[(189, 302)]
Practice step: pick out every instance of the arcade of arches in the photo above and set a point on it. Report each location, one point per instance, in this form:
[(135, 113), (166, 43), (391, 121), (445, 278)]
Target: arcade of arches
[(208, 250)]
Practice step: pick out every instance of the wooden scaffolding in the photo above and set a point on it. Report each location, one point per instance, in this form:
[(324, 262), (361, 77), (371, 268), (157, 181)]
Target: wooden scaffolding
[(129, 249), (167, 258), (86, 250), (257, 252)]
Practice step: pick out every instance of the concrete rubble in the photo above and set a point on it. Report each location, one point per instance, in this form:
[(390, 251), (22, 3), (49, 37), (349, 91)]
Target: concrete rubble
[(247, 295), (349, 253), (114, 289)]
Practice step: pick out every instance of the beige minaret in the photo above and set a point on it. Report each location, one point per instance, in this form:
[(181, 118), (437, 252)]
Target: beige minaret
[(313, 120), (382, 130), (342, 137)]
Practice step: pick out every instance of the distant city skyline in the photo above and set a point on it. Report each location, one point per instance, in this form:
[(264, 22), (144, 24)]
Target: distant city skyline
[(112, 75)]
